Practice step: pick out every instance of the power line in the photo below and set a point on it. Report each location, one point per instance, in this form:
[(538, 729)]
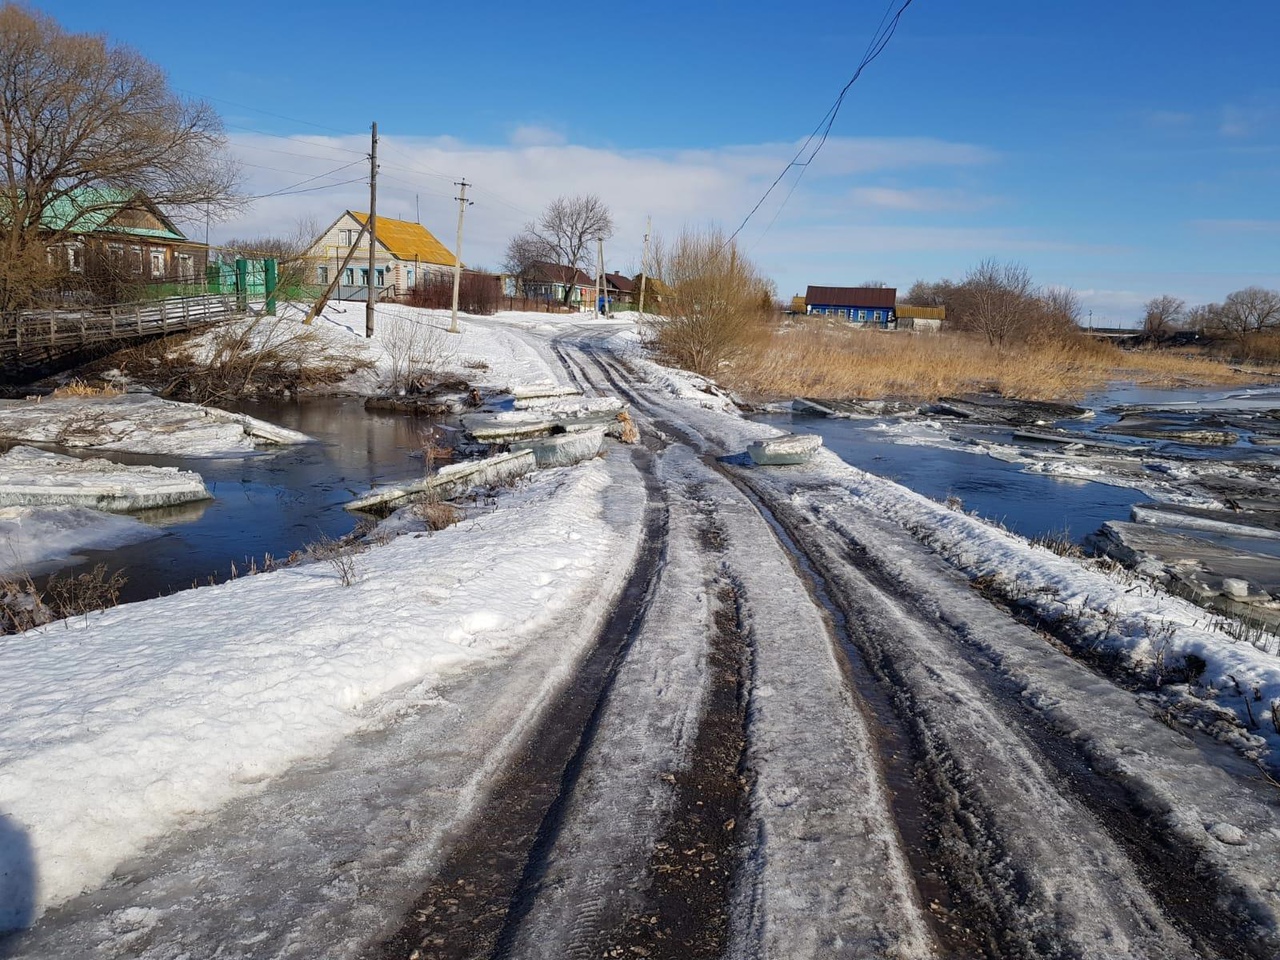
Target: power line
[(285, 190), (323, 186), (879, 40)]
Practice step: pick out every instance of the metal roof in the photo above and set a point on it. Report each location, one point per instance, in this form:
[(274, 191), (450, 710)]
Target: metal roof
[(623, 283), (91, 210), (406, 240), (559, 273), (875, 298)]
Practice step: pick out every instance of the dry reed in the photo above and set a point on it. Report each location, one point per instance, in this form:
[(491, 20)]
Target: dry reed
[(78, 388), (817, 359)]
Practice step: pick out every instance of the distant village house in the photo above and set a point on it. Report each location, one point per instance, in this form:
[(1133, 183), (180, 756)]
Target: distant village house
[(867, 306), (555, 283), (406, 254)]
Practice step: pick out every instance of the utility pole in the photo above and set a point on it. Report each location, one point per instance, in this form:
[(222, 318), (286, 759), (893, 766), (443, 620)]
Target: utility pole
[(644, 261), (602, 285), (463, 203), (373, 230)]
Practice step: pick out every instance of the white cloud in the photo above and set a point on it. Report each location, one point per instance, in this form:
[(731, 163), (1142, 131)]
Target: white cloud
[(535, 135), (922, 199), (513, 182)]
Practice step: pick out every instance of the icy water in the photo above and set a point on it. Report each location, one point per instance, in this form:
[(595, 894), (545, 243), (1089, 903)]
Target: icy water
[(1029, 504), (270, 502)]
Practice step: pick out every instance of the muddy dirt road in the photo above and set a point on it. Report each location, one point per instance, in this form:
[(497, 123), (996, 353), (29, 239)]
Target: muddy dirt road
[(801, 735)]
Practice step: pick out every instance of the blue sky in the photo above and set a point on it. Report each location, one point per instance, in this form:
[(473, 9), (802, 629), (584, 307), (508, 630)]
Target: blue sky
[(1124, 149)]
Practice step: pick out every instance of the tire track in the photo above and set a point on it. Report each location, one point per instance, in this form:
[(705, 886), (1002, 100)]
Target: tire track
[(474, 904), (996, 892)]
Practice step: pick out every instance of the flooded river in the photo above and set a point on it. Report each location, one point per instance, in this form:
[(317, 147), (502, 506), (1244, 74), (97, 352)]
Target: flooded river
[(271, 502), (948, 458), (1029, 504), (275, 502)]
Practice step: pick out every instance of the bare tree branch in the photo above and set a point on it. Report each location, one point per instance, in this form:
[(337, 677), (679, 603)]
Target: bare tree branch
[(563, 235)]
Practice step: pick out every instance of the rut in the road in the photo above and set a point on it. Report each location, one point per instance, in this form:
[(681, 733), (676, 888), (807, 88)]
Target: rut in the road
[(475, 900), (984, 840)]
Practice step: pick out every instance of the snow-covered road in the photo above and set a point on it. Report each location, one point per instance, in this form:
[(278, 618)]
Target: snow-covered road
[(770, 718)]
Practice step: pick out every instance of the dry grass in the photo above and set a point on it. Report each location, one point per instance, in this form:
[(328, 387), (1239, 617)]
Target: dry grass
[(816, 359), (78, 388), (24, 606)]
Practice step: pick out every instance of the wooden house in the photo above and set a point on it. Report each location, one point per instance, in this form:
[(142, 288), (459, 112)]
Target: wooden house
[(622, 290), (407, 253), (102, 231), (865, 306), (554, 282)]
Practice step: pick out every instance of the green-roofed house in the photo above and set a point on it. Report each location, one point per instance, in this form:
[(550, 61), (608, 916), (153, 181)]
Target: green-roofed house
[(121, 233)]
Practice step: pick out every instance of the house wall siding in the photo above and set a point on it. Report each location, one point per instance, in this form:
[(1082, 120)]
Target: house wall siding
[(332, 246)]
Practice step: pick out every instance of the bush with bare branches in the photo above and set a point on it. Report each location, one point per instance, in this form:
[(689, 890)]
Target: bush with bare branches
[(478, 293), (718, 300)]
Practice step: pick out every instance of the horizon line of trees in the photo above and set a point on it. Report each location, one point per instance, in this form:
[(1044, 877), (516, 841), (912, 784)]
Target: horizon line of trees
[(1243, 315)]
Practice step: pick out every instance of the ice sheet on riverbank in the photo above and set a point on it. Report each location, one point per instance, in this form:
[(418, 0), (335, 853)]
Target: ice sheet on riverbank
[(138, 423), (33, 477), (121, 725), (36, 539)]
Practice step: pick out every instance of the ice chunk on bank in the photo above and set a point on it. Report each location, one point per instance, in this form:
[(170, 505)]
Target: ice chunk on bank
[(790, 448), (137, 423), (36, 539), (33, 477)]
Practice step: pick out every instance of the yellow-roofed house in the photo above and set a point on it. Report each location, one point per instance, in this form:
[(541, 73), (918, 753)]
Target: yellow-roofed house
[(407, 254)]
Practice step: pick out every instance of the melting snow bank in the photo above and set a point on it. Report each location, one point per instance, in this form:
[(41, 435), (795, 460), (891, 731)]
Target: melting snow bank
[(123, 725), (32, 477), (33, 539), (138, 423)]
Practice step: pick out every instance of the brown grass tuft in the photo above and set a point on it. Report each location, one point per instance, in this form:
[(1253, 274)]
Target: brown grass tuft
[(819, 359), (78, 388)]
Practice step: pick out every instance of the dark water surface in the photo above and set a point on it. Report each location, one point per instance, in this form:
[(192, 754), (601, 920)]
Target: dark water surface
[(270, 502), (1027, 503)]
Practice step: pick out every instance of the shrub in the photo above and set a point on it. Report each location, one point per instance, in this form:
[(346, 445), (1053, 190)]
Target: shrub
[(718, 301), (478, 293)]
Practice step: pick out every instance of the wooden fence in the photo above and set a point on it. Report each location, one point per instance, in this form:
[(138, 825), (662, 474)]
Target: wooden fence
[(38, 337)]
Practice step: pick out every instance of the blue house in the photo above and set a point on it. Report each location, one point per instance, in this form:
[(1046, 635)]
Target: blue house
[(865, 306)]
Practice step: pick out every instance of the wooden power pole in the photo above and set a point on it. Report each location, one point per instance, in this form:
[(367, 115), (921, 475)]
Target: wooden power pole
[(644, 260), (373, 231), (602, 284), (457, 251)]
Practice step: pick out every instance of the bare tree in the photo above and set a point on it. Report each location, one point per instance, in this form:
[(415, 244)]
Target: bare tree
[(1162, 315), (1248, 311), (523, 254), (76, 113), (995, 300), (1059, 316), (926, 294), (563, 235)]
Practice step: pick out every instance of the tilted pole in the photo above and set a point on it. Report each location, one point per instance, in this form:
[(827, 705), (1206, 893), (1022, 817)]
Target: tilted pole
[(337, 277), (463, 202), (602, 286)]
